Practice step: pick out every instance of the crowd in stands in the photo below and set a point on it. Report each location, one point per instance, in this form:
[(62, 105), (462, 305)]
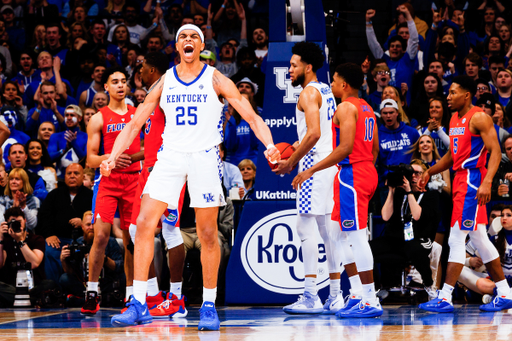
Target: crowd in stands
[(53, 54)]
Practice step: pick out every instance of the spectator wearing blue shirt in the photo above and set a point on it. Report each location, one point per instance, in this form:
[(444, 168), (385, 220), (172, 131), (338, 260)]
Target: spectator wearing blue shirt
[(436, 66), (53, 36), (47, 110), (504, 87), (28, 73), (69, 146), (382, 76), (87, 96), (472, 64), (400, 63), (10, 119), (395, 138), (16, 34), (437, 124)]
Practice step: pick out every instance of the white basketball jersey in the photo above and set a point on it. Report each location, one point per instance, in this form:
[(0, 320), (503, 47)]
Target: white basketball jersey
[(324, 144), (193, 112)]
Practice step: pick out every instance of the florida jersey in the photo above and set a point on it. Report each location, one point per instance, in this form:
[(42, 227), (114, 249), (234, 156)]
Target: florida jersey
[(153, 131), (366, 129), (468, 150)]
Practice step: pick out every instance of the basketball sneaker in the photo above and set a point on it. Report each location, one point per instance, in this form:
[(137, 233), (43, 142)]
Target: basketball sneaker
[(333, 304), (438, 305), (153, 301), (171, 307), (137, 313), (497, 304), (306, 304), (92, 303), (351, 302), (208, 318), (126, 303), (362, 310)]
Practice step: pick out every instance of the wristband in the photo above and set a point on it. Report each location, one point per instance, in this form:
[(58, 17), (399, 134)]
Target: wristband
[(369, 23), (21, 244), (38, 110), (407, 193), (434, 26), (208, 27), (223, 6), (466, 262), (270, 145)]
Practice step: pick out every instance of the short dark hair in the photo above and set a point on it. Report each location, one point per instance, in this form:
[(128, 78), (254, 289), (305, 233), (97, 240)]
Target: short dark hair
[(53, 24), (401, 25), (496, 60), (243, 53), (466, 83), (48, 83), (13, 212), (158, 60), (16, 144), (310, 53), (98, 21), (110, 71), (446, 50), (398, 38), (351, 73), (474, 58)]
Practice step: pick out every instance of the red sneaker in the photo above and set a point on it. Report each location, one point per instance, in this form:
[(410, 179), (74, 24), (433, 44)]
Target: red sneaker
[(92, 303), (171, 307), (155, 300)]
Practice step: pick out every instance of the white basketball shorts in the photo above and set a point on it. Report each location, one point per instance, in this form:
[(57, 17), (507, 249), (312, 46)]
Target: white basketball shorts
[(315, 195), (202, 170)]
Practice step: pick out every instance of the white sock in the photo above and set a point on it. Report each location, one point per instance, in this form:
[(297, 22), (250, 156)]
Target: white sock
[(310, 285), (129, 292), (153, 287), (369, 293), (446, 292), (139, 290), (356, 287), (334, 287), (209, 295), (503, 288), (176, 289), (92, 286)]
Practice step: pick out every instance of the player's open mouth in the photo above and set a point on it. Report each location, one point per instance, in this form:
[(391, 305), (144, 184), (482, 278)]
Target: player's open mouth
[(188, 50)]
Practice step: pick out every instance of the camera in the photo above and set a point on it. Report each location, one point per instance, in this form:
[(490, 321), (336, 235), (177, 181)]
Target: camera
[(77, 251), (15, 225), (396, 174)]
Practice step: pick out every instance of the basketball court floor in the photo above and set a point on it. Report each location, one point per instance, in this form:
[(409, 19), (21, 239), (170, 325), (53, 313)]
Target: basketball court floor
[(262, 323)]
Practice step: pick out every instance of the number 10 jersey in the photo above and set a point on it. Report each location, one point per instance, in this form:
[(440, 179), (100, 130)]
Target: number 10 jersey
[(193, 112)]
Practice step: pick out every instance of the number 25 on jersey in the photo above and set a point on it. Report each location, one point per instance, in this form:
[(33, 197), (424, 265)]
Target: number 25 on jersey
[(186, 116)]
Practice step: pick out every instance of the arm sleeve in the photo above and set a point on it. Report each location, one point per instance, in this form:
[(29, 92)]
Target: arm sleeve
[(373, 44), (79, 148), (444, 137), (53, 148), (40, 191), (413, 43), (32, 125), (31, 217)]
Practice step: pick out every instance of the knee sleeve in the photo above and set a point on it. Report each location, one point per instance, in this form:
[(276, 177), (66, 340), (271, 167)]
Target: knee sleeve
[(330, 237), (482, 243), (457, 243), (347, 254), (306, 229), (363, 252), (132, 230), (172, 235), (469, 278)]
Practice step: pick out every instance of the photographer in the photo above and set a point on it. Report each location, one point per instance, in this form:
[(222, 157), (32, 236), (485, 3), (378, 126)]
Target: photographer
[(17, 246), (412, 218), (74, 258)]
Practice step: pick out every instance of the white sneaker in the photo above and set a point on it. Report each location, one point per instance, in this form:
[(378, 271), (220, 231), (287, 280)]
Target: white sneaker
[(486, 299), (306, 304), (333, 304)]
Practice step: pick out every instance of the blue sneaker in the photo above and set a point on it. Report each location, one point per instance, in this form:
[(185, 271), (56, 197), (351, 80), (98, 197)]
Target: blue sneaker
[(208, 318), (352, 301), (362, 310), (306, 304), (437, 305), (136, 313), (497, 304), (333, 304)]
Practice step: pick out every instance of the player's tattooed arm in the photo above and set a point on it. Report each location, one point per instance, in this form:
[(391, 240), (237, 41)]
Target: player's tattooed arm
[(217, 84), (157, 83)]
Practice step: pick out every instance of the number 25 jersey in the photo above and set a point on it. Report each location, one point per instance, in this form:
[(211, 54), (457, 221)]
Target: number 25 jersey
[(193, 112)]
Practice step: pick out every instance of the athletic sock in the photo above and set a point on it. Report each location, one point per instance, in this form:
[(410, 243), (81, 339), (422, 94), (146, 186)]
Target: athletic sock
[(209, 295), (334, 287), (310, 285), (153, 287), (129, 292), (92, 286), (503, 288), (356, 287), (369, 293), (446, 292), (176, 289), (139, 290)]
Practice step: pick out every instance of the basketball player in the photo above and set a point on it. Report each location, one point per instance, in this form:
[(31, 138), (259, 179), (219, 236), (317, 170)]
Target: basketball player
[(356, 152), (173, 303), (190, 95), (116, 191), (315, 108), (472, 136)]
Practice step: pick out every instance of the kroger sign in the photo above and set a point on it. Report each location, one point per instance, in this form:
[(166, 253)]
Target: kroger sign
[(271, 254)]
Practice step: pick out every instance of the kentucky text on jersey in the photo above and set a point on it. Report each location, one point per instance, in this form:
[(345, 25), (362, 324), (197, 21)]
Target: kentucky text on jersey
[(187, 98), (457, 131), (115, 127)]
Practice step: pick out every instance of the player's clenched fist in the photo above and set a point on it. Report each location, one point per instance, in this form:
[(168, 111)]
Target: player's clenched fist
[(107, 166), (272, 154)]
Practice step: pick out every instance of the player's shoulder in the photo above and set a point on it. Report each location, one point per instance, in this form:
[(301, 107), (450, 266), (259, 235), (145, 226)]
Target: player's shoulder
[(96, 120)]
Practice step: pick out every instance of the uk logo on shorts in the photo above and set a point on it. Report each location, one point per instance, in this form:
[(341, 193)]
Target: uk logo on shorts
[(468, 223), (208, 197), (348, 223)]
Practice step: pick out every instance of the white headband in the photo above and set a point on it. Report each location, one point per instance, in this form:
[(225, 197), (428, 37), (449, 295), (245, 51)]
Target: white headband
[(190, 27)]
